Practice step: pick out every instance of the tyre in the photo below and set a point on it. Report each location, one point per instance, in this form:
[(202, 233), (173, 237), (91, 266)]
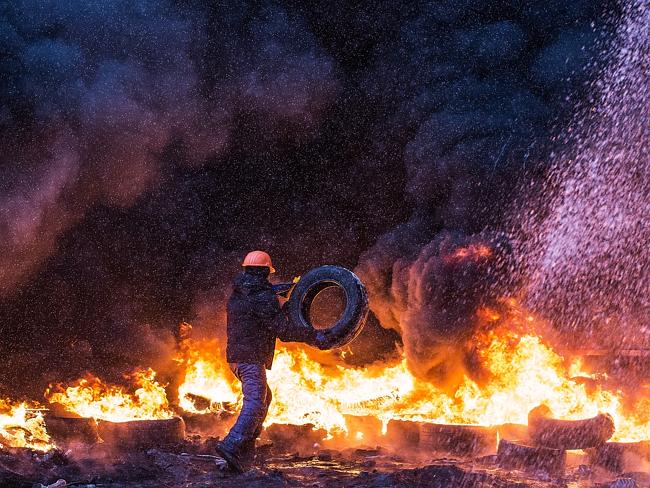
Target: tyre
[(65, 430), (142, 434), (458, 439), (403, 433), (354, 316)]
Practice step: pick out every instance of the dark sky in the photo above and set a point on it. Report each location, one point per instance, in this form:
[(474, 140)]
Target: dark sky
[(146, 147)]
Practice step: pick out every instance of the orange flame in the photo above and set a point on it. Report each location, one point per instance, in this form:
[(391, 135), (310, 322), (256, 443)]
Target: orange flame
[(473, 252), (523, 372), (520, 370), (22, 425), (91, 397), (206, 377)]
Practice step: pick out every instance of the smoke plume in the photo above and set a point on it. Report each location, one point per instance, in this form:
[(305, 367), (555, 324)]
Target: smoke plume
[(147, 146), (98, 92), (103, 103), (476, 97)]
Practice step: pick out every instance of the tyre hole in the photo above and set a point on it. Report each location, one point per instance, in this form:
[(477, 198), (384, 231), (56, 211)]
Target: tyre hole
[(327, 307)]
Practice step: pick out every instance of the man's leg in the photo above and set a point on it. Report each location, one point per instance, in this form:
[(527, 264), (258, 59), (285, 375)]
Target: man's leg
[(267, 403), (242, 435), (248, 447)]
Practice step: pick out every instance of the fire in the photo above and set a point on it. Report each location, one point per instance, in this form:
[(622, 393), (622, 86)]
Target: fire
[(91, 397), (519, 372), (205, 377), (523, 372), (22, 425), (305, 391), (473, 252)]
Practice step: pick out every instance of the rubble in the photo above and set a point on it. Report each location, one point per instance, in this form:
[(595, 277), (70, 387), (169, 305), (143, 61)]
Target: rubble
[(301, 439), (57, 484), (193, 464), (619, 483)]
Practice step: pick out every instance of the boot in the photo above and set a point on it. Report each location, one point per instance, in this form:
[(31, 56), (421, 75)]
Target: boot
[(230, 453), (247, 452)]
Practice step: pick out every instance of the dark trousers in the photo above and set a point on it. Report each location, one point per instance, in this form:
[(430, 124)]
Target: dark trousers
[(257, 398)]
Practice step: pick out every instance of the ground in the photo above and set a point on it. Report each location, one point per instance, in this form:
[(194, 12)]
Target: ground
[(193, 465)]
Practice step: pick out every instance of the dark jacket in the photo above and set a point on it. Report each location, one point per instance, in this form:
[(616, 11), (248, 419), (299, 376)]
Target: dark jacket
[(255, 320)]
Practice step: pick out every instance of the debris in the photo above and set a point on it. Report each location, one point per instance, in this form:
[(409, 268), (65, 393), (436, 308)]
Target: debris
[(205, 458), (303, 439), (568, 434), (438, 476), (619, 483), (460, 440), (368, 452), (512, 455), (58, 484), (324, 456)]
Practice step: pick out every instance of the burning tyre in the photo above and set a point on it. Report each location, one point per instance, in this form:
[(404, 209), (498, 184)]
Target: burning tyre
[(142, 434), (354, 315), (65, 430), (458, 439)]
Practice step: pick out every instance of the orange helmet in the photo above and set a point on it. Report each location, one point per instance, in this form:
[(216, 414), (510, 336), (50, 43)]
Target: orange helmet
[(258, 258)]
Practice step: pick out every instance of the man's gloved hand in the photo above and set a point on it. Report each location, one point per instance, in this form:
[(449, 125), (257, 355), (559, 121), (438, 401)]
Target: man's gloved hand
[(322, 339), (283, 289)]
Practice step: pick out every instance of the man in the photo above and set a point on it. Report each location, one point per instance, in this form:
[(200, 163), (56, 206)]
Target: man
[(255, 320)]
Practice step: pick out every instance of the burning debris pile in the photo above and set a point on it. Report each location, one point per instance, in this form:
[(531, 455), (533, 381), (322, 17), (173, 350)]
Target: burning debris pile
[(530, 411), (91, 397)]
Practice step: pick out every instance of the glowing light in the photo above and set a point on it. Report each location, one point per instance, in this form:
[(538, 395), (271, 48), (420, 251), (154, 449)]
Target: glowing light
[(473, 252), (22, 425), (521, 371), (91, 397), (205, 376)]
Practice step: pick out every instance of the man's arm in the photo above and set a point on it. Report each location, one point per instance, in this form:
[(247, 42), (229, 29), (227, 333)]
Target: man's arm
[(267, 307)]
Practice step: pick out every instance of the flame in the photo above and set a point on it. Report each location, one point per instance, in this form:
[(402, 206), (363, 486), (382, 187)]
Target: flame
[(522, 371), (22, 425), (519, 371), (474, 252), (205, 377), (91, 397)]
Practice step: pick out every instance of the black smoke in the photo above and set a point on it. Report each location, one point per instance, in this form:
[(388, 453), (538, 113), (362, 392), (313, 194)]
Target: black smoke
[(147, 146), (478, 92)]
